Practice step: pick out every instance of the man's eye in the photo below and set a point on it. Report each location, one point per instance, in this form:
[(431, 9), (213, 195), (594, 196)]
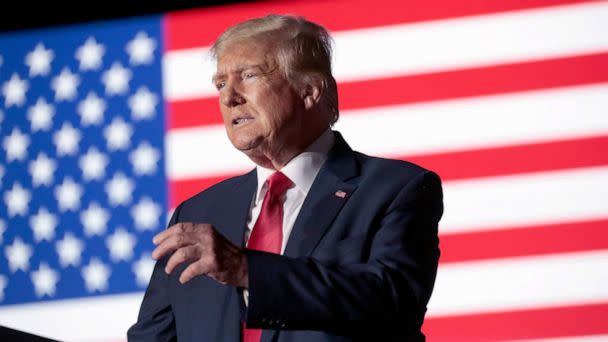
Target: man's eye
[(220, 85), (248, 75)]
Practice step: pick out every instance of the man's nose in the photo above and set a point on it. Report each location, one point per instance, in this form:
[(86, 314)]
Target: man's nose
[(231, 96)]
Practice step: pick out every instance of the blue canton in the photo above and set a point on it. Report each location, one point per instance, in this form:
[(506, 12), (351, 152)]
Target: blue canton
[(82, 181)]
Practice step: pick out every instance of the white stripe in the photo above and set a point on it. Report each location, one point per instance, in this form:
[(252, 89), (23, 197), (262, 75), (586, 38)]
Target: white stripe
[(461, 288), (481, 122), (520, 283), (422, 128), (102, 318), (528, 199), (187, 74), (593, 338), (429, 46), (195, 152), (470, 42)]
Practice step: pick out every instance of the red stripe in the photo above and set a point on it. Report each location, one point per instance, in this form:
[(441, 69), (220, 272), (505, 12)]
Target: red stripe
[(555, 155), (525, 324), (196, 112), (523, 241), (195, 28), (477, 81), (181, 190), (499, 79)]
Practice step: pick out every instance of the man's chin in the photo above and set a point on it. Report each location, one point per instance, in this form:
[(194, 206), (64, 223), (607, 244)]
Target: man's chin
[(249, 145)]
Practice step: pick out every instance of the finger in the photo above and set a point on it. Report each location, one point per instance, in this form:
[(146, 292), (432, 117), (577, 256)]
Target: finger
[(172, 243), (174, 229), (193, 270), (181, 227), (187, 253)]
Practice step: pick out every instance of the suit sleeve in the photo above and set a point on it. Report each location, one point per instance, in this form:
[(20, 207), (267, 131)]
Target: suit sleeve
[(389, 292), (155, 321)]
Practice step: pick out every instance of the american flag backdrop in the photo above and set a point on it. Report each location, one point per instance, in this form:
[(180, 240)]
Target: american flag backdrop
[(106, 127)]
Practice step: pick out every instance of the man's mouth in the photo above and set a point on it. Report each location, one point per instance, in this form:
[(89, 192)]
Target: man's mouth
[(242, 120)]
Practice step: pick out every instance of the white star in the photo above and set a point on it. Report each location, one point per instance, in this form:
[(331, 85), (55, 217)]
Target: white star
[(142, 104), (90, 54), (16, 145), (39, 60), (69, 250), (119, 189), (40, 115), (3, 283), (96, 275), (65, 85), (2, 230), (14, 91), (118, 134), (121, 245), (143, 269), (94, 219), (45, 279), (144, 159), (91, 109), (116, 79), (43, 225), (66, 139), (17, 200), (146, 214), (18, 255), (93, 164), (42, 170), (68, 195), (141, 49)]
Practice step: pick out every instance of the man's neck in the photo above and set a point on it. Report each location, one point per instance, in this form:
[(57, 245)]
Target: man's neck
[(303, 168), (277, 159)]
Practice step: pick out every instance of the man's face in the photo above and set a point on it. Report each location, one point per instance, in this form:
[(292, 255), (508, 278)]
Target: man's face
[(261, 111)]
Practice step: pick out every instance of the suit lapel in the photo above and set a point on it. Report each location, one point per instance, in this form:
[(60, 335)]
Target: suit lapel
[(235, 219), (326, 197)]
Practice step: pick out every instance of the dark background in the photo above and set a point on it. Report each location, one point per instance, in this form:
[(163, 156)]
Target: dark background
[(17, 15)]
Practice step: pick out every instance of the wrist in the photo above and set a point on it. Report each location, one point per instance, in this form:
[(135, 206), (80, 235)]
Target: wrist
[(243, 272)]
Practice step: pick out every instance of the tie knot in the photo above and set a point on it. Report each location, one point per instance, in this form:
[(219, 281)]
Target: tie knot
[(278, 183)]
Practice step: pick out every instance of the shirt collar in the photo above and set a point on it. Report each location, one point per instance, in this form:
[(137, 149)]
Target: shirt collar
[(303, 168)]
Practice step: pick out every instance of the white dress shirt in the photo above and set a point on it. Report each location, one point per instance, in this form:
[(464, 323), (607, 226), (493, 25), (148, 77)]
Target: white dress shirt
[(302, 171)]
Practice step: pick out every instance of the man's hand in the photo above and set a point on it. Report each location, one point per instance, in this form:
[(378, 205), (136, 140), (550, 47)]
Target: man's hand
[(208, 251)]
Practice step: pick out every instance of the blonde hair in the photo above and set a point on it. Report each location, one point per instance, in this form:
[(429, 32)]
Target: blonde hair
[(304, 49)]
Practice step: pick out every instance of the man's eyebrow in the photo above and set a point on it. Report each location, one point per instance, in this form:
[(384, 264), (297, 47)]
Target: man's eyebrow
[(248, 66), (237, 70)]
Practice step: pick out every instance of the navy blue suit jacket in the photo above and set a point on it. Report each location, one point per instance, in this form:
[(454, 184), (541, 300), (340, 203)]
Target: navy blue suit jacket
[(356, 268)]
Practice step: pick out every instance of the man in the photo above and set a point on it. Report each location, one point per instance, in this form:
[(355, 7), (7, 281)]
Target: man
[(318, 243)]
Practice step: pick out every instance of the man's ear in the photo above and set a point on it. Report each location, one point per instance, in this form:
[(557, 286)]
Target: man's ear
[(313, 89)]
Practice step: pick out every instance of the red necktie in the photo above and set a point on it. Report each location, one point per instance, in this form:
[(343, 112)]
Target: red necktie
[(267, 233)]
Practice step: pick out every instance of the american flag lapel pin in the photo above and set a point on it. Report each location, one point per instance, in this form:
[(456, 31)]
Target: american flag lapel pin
[(340, 194)]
